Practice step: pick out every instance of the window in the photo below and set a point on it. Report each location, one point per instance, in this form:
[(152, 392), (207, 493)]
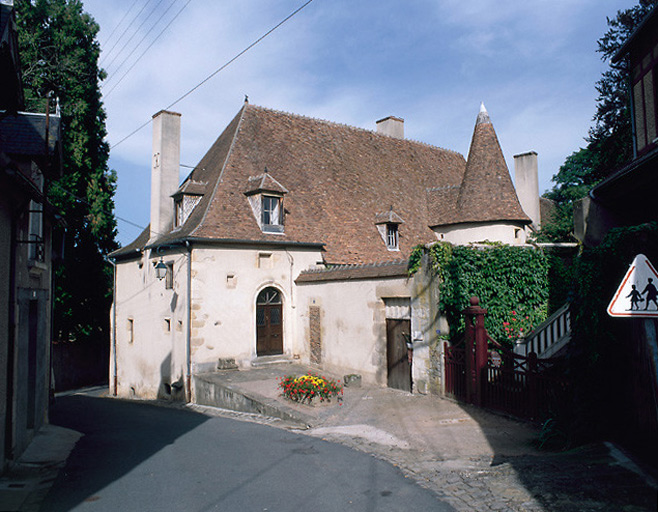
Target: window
[(169, 276), (271, 214), (131, 330), (36, 246), (392, 237)]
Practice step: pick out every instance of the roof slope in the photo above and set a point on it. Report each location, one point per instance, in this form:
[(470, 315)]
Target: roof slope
[(338, 179), (486, 194)]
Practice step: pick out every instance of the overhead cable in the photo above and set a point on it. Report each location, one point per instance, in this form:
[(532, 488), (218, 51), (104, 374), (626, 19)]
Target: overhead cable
[(292, 14)]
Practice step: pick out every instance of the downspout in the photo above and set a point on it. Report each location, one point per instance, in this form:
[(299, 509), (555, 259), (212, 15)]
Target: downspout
[(115, 380), (188, 330), (11, 340), (292, 321)]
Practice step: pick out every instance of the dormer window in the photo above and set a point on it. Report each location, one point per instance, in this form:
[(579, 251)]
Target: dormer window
[(185, 200), (388, 224), (271, 213), (265, 196), (392, 237)]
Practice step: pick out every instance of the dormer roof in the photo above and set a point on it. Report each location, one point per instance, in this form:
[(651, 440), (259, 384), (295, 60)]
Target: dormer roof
[(264, 183)]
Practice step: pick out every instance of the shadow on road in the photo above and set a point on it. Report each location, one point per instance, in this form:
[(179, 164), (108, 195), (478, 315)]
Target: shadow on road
[(99, 459)]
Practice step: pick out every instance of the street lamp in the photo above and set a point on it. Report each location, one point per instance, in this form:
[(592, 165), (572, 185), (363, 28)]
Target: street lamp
[(161, 270)]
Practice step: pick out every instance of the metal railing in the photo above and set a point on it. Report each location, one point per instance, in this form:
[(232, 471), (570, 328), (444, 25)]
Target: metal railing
[(549, 337)]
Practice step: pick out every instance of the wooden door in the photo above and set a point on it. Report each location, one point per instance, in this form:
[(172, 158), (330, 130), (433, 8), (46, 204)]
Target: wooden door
[(398, 332), (269, 323)]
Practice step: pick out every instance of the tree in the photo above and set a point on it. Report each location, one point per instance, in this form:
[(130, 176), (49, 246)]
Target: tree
[(609, 141), (59, 56)]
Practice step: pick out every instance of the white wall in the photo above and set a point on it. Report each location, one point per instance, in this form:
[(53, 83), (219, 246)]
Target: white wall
[(155, 355), (353, 323), (225, 285), (463, 234)]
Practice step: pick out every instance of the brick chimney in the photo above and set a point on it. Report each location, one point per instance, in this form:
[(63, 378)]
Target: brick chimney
[(165, 169), (526, 181), (391, 126)]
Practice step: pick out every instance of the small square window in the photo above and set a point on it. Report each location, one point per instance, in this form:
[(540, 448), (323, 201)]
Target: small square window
[(392, 237)]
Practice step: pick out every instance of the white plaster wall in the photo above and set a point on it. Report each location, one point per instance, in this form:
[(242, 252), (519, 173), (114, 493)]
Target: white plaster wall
[(155, 356), (353, 323), (225, 285), (463, 234)]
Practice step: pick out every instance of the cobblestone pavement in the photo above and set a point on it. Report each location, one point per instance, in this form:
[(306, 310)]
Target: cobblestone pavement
[(475, 460)]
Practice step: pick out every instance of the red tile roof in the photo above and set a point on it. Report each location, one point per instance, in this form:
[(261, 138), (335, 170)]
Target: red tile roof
[(338, 181)]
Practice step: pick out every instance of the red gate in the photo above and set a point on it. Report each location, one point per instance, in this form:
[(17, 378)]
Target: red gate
[(482, 372)]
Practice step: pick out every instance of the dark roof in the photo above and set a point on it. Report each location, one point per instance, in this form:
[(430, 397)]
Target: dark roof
[(24, 133), (391, 269), (191, 188), (339, 182), (486, 193)]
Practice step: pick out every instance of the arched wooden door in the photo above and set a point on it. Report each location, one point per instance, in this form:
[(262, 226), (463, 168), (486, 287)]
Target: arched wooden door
[(269, 323)]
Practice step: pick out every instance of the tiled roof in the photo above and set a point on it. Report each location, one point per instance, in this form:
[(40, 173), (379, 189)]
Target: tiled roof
[(397, 268), (192, 188), (24, 134), (337, 177), (486, 193), (339, 181)]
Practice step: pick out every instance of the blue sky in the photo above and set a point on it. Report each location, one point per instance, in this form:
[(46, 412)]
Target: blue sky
[(534, 65)]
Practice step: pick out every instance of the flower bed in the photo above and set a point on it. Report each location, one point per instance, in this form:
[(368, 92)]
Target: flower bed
[(306, 388)]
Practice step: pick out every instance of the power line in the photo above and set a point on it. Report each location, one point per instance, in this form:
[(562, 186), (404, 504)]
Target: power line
[(292, 14), (148, 17), (109, 38), (124, 32), (149, 46), (84, 201)]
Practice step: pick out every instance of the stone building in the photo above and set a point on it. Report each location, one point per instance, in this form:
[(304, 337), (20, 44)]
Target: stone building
[(289, 240), (30, 155)]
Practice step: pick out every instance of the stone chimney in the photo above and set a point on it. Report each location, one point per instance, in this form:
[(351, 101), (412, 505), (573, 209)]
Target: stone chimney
[(165, 169), (391, 126), (527, 185)]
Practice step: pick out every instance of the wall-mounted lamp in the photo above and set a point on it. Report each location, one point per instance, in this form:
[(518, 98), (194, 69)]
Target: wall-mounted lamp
[(161, 270)]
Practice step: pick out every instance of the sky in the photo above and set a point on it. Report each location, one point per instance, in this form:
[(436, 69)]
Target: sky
[(431, 62)]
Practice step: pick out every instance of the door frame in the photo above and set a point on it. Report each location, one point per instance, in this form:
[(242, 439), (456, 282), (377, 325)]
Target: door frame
[(283, 317)]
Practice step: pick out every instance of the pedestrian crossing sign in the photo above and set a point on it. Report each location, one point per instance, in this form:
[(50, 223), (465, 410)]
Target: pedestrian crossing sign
[(637, 294)]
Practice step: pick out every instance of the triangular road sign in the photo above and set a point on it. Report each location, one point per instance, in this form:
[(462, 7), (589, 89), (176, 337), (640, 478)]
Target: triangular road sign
[(637, 294)]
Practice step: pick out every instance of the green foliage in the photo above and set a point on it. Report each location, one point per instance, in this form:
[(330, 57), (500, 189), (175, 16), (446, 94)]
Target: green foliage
[(505, 278), (59, 53), (598, 349), (306, 388), (609, 142)]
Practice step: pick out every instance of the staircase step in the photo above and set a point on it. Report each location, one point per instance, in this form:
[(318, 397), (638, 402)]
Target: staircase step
[(262, 361)]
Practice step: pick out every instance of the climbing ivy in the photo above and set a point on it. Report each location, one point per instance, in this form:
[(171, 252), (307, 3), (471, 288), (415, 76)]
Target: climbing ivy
[(506, 279)]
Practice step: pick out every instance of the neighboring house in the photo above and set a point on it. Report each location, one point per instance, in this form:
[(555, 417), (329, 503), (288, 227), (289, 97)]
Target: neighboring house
[(289, 240), (627, 197), (30, 155)]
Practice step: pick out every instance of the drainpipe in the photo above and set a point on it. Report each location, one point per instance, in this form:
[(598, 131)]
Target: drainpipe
[(188, 331), (115, 380)]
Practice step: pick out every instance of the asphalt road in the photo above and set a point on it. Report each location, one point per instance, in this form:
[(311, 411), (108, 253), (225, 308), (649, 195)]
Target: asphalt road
[(140, 457)]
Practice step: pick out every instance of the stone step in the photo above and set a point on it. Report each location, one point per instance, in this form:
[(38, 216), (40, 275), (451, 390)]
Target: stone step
[(262, 361)]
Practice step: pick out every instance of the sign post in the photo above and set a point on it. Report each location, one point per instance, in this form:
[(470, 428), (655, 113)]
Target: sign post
[(637, 295)]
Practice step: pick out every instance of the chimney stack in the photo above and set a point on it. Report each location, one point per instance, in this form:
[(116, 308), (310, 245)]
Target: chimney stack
[(391, 126), (527, 185), (165, 170)]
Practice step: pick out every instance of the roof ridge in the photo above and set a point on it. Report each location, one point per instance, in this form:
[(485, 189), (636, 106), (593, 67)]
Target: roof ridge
[(350, 127)]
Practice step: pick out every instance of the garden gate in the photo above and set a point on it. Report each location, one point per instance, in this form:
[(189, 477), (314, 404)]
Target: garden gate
[(482, 372)]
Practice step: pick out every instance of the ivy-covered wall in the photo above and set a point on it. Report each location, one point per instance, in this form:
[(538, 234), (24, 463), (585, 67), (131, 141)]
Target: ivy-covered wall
[(511, 282), (612, 391)]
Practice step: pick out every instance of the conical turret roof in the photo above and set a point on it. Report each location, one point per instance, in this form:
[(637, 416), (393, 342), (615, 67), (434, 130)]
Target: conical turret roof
[(487, 193)]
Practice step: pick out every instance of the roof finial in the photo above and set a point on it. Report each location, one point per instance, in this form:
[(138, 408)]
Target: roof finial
[(483, 116), (246, 98)]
